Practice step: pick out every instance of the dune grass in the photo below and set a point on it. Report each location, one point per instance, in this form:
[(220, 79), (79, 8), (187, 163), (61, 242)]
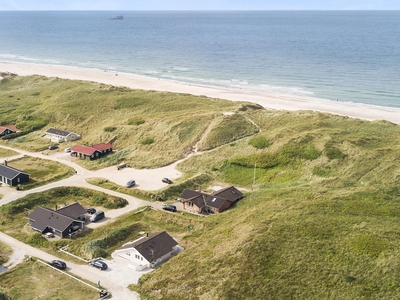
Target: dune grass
[(320, 219), (4, 153)]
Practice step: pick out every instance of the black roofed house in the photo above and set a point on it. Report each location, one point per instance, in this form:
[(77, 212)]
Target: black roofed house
[(12, 176), (149, 251), (197, 202), (62, 222), (59, 136), (231, 194)]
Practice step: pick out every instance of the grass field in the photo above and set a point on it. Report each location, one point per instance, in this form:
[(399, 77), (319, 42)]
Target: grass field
[(41, 171), (33, 280), (5, 153), (320, 219)]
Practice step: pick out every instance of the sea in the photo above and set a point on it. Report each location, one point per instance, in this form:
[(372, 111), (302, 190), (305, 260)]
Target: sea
[(351, 56)]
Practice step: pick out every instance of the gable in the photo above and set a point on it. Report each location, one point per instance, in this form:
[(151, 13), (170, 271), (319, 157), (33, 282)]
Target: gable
[(154, 246), (230, 193), (43, 217), (9, 172), (73, 211)]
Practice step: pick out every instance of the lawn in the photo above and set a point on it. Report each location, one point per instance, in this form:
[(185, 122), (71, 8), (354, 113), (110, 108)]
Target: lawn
[(5, 153), (41, 171), (5, 252), (33, 280)]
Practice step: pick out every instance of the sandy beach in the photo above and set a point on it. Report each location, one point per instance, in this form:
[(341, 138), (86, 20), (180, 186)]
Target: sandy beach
[(269, 100)]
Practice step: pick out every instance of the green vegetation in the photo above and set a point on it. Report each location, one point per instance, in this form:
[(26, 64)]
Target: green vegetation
[(109, 129), (174, 121), (147, 141), (320, 218), (41, 171), (259, 142), (13, 215), (33, 280)]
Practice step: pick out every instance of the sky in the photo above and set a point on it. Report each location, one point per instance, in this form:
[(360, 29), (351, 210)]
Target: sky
[(120, 5)]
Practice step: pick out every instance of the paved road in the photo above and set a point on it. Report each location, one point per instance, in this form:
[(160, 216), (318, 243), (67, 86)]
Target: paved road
[(112, 281)]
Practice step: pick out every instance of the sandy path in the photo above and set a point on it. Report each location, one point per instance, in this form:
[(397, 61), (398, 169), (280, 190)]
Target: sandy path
[(271, 100)]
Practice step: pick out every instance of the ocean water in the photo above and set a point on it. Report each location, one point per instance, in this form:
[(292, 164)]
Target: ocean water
[(339, 55)]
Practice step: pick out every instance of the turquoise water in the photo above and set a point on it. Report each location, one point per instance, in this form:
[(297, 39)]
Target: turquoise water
[(339, 55)]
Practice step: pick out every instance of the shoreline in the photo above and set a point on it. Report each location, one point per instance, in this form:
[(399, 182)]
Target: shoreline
[(267, 99)]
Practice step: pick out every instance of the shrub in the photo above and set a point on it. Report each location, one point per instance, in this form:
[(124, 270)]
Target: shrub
[(109, 129), (147, 141), (259, 142), (136, 121), (368, 244), (334, 153)]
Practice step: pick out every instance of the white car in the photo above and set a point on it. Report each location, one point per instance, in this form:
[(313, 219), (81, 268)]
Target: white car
[(67, 150)]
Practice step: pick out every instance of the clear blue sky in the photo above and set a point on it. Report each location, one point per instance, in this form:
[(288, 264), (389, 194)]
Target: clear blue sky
[(199, 4)]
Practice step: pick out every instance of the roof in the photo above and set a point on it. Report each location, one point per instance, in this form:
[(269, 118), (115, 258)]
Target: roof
[(207, 200), (10, 172), (9, 127), (73, 210), (58, 132), (43, 217), (102, 146), (187, 194), (154, 246), (230, 193), (84, 149)]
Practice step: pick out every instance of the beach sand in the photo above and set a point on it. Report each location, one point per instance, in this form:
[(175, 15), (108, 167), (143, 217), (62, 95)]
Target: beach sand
[(269, 100)]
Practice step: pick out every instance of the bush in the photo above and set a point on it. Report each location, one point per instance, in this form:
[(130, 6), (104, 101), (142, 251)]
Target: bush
[(334, 153), (259, 142), (109, 129), (136, 121), (147, 141)]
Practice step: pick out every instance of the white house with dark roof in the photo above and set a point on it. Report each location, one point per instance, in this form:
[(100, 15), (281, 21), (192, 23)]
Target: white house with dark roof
[(59, 136), (12, 176), (149, 251)]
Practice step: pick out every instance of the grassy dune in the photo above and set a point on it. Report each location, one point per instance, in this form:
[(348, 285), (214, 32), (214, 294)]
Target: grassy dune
[(320, 219)]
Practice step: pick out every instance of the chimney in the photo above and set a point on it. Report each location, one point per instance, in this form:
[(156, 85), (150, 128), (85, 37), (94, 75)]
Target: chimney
[(5, 162), (147, 234)]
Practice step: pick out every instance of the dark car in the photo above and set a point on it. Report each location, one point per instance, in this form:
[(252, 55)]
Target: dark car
[(53, 147), (99, 264), (90, 210), (166, 180), (59, 264), (169, 207), (130, 183)]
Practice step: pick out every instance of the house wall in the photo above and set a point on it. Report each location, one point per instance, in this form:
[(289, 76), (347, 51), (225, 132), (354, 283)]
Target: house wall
[(136, 259), (5, 132), (21, 178), (71, 137), (224, 206), (193, 209)]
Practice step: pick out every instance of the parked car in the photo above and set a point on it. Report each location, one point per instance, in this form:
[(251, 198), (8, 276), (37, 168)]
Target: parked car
[(90, 210), (130, 183), (169, 207), (68, 150), (98, 215), (99, 264), (166, 180), (53, 147), (59, 264)]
